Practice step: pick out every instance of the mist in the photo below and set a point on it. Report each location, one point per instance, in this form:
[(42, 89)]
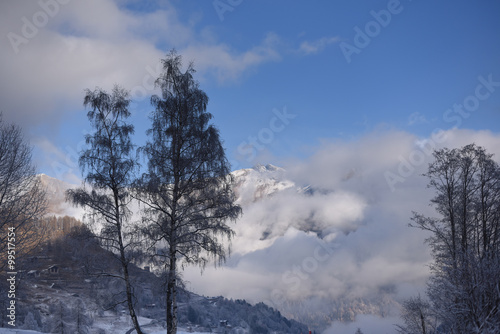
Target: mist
[(335, 230)]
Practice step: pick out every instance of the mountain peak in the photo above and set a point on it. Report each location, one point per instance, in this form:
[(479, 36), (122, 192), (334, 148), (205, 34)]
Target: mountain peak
[(267, 168)]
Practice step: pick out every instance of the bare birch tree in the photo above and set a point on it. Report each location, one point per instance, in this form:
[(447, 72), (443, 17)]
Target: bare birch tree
[(187, 190), (110, 165)]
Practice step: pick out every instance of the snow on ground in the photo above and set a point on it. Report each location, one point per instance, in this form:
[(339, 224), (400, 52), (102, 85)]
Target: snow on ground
[(122, 324), (20, 331), (180, 332), (113, 324), (16, 331)]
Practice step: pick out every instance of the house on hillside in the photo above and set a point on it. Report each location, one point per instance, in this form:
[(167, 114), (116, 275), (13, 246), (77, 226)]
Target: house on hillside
[(224, 327), (33, 274), (54, 269)]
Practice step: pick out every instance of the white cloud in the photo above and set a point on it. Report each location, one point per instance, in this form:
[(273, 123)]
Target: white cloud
[(227, 64), (417, 118), (313, 47), (63, 164), (98, 43)]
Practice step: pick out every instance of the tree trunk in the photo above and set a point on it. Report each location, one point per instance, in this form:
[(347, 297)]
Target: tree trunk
[(128, 287), (130, 303), (171, 296), (174, 305), (422, 321)]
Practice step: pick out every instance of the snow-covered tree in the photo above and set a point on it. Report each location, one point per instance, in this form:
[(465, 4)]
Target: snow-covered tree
[(109, 165), (187, 190), (30, 322), (417, 316), (60, 321), (82, 321), (464, 288)]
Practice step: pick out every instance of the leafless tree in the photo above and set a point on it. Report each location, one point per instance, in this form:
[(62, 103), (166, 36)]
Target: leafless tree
[(109, 164), (187, 190), (22, 196), (418, 317), (464, 287)]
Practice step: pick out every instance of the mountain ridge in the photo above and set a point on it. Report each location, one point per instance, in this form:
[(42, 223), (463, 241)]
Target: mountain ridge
[(264, 180)]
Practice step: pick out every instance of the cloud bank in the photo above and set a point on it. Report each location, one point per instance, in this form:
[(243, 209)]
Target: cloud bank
[(346, 238)]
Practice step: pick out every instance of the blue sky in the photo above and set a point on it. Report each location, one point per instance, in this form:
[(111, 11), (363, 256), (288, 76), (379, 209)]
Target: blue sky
[(413, 61)]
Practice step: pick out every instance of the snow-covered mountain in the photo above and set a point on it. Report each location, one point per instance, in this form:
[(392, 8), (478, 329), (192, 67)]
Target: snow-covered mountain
[(259, 182), (251, 184)]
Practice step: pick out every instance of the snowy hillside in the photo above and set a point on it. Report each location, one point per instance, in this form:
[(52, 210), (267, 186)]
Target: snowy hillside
[(16, 331), (62, 284)]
